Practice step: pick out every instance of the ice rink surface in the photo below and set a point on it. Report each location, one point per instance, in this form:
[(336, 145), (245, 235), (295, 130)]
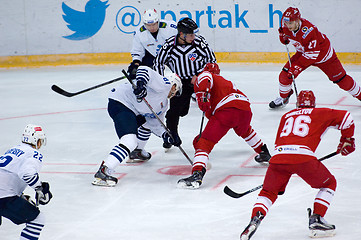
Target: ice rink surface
[(146, 204)]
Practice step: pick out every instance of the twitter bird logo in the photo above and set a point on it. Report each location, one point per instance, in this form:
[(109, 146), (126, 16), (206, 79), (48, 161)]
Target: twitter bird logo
[(85, 24)]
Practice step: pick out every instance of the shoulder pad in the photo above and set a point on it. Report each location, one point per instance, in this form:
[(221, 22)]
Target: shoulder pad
[(142, 29), (162, 24)]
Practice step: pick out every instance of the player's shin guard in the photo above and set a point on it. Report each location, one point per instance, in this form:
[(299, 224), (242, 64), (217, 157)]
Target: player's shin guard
[(348, 84), (253, 140), (263, 204), (200, 160), (322, 201), (143, 135), (285, 85), (33, 228), (139, 154)]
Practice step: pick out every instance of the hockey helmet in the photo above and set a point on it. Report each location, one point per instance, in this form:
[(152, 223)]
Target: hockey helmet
[(150, 16), (212, 68), (32, 134), (306, 99), (175, 80), (187, 26), (291, 14)]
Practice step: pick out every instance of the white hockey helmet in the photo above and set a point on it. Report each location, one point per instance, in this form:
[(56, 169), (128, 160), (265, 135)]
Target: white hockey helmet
[(175, 79), (32, 134), (150, 16)]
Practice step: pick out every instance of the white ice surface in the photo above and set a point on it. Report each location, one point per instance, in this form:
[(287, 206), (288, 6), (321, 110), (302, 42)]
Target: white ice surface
[(146, 203)]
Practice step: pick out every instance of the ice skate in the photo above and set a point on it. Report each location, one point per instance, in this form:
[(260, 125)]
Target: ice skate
[(280, 102), (103, 178), (166, 146), (192, 182), (319, 227), (139, 155), (252, 226), (264, 156)]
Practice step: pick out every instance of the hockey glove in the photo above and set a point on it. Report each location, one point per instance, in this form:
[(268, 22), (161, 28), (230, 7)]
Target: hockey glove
[(27, 198), (141, 90), (294, 71), (132, 69), (283, 38), (203, 101), (174, 139), (43, 194), (346, 146)]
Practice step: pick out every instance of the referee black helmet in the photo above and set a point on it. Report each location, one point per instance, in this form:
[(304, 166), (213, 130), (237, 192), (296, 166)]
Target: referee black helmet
[(187, 26)]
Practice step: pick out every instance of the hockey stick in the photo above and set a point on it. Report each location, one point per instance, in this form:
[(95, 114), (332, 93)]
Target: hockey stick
[(234, 194), (201, 128), (61, 91), (293, 77), (154, 113)]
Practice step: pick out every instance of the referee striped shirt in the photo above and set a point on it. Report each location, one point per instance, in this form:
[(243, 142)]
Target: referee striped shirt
[(185, 60)]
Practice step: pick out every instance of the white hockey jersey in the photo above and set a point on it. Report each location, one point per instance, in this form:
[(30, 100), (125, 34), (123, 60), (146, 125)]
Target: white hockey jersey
[(144, 41), (19, 168), (158, 88)]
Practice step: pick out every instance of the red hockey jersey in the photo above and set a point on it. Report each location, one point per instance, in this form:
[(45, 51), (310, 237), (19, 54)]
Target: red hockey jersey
[(314, 45), (301, 129), (223, 93)]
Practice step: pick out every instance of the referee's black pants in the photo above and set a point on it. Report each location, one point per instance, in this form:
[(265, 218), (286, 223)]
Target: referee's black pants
[(179, 107)]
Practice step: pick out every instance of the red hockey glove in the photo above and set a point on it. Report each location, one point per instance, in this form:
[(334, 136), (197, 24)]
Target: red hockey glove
[(203, 101), (283, 38), (294, 70), (346, 146)]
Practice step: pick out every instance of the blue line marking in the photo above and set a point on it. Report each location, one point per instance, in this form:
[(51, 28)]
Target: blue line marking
[(258, 31)]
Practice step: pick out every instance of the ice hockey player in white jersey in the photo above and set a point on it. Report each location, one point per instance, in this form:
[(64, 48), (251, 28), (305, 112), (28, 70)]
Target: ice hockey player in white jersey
[(134, 121), (148, 39), (19, 168)]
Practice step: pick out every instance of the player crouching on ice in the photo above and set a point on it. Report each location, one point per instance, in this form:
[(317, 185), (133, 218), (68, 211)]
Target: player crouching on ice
[(134, 121), (313, 48), (298, 136), (226, 108), (19, 168)]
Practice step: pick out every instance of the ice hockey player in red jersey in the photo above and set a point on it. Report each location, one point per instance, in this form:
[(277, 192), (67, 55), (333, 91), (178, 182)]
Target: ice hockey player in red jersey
[(298, 136), (313, 48), (226, 108)]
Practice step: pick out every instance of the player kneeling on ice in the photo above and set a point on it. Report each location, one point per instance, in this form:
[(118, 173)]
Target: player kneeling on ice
[(134, 121), (19, 168), (298, 136), (226, 108)]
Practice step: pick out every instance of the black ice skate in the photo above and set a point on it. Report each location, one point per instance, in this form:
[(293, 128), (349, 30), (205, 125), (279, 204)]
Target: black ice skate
[(280, 102), (167, 146), (102, 178), (319, 227), (252, 226), (138, 155), (194, 181), (264, 156)]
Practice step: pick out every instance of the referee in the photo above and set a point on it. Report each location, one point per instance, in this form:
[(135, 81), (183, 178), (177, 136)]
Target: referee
[(185, 54)]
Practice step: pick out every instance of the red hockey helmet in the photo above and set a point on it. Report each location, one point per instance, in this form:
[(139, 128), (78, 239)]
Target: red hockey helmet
[(306, 99), (212, 68), (291, 14)]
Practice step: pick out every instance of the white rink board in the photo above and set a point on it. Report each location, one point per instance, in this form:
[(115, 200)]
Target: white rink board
[(37, 27)]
